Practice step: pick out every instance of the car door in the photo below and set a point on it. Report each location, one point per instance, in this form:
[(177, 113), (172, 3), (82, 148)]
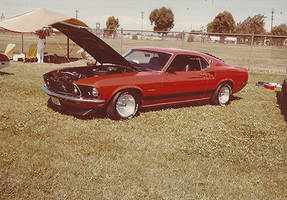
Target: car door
[(185, 79)]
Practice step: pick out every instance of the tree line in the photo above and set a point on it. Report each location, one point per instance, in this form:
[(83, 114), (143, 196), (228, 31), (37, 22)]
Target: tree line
[(163, 21)]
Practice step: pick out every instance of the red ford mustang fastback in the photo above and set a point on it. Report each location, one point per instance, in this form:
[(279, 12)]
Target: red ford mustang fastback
[(143, 77)]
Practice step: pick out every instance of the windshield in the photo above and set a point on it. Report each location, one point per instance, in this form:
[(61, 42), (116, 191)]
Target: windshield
[(149, 60)]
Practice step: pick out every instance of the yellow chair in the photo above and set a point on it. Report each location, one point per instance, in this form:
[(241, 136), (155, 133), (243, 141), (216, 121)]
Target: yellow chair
[(32, 50), (10, 49)]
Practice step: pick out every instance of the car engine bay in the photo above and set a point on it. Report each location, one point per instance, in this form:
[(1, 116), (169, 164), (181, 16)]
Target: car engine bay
[(62, 80)]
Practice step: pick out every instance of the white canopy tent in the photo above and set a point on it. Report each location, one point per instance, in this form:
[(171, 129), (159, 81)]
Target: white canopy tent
[(74, 29), (37, 19)]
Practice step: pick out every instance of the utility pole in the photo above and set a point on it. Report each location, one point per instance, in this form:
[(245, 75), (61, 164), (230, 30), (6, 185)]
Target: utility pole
[(2, 16), (77, 11), (142, 16), (272, 18)]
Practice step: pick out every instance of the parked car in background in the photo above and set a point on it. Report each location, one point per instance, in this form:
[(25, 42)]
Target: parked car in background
[(4, 61), (284, 90), (143, 77), (282, 100), (281, 93)]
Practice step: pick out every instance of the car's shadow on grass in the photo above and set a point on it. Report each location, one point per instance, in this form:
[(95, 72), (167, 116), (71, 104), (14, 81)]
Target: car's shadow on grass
[(186, 105), (96, 114), (5, 73), (233, 98), (282, 104), (178, 106), (101, 114)]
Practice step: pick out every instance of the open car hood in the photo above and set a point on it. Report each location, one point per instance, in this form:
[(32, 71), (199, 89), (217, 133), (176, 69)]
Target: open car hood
[(96, 47)]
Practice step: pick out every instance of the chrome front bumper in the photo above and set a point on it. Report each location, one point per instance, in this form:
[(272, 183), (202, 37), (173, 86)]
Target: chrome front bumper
[(71, 98)]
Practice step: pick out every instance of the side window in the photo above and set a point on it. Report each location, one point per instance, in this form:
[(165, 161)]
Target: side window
[(188, 63), (197, 63), (194, 63), (204, 63), (179, 63)]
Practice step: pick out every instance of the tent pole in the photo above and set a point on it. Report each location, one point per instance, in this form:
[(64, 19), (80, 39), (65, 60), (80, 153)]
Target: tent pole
[(22, 41), (68, 50)]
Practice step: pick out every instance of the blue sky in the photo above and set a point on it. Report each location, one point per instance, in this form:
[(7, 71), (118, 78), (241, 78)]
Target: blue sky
[(188, 13)]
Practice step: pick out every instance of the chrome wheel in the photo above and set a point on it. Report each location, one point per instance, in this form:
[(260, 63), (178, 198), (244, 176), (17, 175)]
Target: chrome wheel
[(224, 95), (126, 105)]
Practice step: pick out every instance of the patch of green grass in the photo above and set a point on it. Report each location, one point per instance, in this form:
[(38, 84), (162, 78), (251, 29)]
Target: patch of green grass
[(193, 152)]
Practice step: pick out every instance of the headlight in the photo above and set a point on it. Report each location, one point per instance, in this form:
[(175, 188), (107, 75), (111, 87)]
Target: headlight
[(76, 90), (95, 92), (87, 91)]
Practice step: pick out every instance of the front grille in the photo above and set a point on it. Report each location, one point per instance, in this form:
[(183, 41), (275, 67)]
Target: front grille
[(85, 90), (60, 87)]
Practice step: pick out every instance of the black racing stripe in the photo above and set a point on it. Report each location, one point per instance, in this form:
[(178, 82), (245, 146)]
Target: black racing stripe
[(177, 95)]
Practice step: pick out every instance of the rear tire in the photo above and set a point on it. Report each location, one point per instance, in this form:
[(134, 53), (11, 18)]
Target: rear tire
[(124, 105), (222, 94)]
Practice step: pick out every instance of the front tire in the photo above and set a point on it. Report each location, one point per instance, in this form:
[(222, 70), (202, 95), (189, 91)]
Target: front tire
[(222, 94), (124, 105)]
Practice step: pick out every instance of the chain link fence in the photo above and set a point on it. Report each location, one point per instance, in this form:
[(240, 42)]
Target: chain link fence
[(261, 53)]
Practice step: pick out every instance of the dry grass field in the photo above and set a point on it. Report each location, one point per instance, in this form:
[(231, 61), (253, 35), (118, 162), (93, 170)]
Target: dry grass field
[(190, 152)]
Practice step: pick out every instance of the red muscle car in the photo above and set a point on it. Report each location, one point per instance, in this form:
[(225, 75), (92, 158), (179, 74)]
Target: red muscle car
[(143, 77)]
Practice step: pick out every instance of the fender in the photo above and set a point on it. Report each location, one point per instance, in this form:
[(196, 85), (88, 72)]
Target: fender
[(226, 80), (125, 87)]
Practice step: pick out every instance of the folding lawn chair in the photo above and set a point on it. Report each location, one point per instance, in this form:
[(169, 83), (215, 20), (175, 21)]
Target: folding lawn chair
[(32, 51), (10, 49)]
